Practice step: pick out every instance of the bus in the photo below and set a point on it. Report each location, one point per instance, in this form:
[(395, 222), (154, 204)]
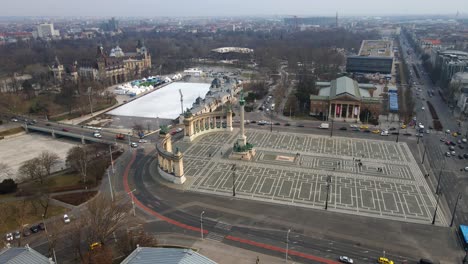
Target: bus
[(464, 236)]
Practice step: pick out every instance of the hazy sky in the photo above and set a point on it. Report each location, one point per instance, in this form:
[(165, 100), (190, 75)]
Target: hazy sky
[(158, 8)]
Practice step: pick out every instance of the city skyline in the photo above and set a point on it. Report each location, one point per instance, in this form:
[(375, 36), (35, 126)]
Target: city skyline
[(212, 8)]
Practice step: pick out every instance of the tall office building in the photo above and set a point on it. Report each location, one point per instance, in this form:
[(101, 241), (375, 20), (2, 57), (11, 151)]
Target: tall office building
[(46, 31)]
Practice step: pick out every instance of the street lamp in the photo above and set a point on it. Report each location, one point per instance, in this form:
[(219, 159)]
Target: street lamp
[(133, 201), (233, 179), (435, 211), (331, 131), (440, 176), (455, 208), (201, 224), (328, 190), (424, 153), (287, 245), (398, 133), (90, 89), (48, 239)]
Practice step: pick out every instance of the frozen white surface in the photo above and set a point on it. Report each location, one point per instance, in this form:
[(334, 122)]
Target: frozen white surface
[(165, 102)]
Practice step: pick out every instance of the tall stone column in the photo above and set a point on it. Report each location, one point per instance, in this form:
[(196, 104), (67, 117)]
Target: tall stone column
[(242, 140), (229, 120)]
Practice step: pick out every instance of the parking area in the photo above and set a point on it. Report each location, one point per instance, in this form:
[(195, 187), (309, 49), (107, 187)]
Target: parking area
[(361, 176)]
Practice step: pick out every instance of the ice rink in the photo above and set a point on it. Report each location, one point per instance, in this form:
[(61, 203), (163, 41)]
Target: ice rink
[(164, 102)]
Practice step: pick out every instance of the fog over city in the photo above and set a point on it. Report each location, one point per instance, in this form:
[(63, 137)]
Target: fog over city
[(150, 8)]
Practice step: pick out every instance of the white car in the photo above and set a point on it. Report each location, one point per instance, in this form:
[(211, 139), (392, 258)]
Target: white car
[(384, 133), (345, 259), (97, 135), (66, 219), (422, 108), (142, 141), (464, 140), (134, 145), (9, 237), (179, 129)]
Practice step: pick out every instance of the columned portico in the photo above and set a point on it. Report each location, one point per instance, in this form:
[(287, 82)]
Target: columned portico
[(206, 123), (170, 165), (344, 111)]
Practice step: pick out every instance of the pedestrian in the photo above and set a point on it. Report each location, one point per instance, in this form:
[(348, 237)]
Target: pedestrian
[(339, 163), (221, 153), (353, 158)]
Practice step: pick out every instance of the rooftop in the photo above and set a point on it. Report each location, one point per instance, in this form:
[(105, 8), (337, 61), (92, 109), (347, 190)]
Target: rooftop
[(376, 48), (147, 255), (22, 255)]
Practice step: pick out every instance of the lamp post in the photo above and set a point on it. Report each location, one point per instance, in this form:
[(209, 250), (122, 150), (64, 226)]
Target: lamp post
[(90, 89), (287, 245), (424, 153), (398, 133), (48, 240), (440, 176), (331, 130), (328, 190), (201, 224), (455, 208), (112, 160), (233, 179), (129, 139), (133, 201), (435, 211)]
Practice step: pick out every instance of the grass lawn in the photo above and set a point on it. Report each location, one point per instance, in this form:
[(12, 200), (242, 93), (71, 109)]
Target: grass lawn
[(11, 212), (63, 180), (12, 131)]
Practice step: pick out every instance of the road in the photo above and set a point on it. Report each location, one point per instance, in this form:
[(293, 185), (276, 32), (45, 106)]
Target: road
[(164, 202), (453, 181)]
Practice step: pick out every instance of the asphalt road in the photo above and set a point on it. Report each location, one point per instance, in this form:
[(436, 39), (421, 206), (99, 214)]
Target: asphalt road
[(167, 201), (452, 181)]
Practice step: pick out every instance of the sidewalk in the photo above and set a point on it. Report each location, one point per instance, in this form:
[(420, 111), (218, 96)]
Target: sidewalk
[(218, 252)]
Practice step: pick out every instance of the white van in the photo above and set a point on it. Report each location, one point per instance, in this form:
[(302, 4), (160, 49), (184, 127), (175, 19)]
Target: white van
[(324, 125)]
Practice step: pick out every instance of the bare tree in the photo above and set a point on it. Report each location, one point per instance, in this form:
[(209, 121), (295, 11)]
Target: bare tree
[(129, 241), (47, 160), (32, 170), (79, 158), (104, 217)]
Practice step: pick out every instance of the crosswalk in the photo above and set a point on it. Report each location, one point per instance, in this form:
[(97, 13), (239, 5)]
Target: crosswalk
[(223, 226), (215, 236)]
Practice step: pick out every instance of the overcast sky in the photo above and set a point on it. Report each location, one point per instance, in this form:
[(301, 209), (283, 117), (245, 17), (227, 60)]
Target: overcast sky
[(174, 8)]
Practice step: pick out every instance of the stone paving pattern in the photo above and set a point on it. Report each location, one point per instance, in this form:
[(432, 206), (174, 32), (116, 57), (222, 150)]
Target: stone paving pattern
[(292, 169)]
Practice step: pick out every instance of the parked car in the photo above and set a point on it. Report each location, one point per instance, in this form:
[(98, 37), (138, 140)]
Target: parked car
[(41, 226), (384, 133), (377, 131), (9, 237), (451, 148), (34, 229), (173, 133), (14, 119), (134, 145), (179, 129), (453, 143), (343, 128), (345, 259), (66, 219), (277, 124), (465, 155), (453, 153), (26, 232), (364, 127), (460, 156), (142, 141), (17, 234), (287, 124)]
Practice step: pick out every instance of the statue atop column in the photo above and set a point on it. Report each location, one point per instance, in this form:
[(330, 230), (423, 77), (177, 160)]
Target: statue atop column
[(242, 149)]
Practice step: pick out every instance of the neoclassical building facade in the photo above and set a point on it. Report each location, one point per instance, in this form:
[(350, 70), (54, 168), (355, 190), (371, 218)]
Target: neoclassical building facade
[(344, 99)]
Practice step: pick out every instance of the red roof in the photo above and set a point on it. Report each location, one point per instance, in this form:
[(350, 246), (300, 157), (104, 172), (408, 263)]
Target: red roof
[(433, 41)]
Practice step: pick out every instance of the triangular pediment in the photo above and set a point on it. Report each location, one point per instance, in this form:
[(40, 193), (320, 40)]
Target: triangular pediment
[(346, 97)]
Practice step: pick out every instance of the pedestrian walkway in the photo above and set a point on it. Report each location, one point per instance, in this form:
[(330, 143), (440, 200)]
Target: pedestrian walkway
[(218, 252)]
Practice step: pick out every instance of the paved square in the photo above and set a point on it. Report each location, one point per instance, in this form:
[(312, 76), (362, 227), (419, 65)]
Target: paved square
[(292, 169)]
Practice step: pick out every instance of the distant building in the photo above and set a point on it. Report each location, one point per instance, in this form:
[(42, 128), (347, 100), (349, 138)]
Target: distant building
[(46, 31), (311, 21), (449, 62), (116, 67), (111, 25), (344, 99), (144, 255), (24, 255), (375, 56), (460, 83)]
